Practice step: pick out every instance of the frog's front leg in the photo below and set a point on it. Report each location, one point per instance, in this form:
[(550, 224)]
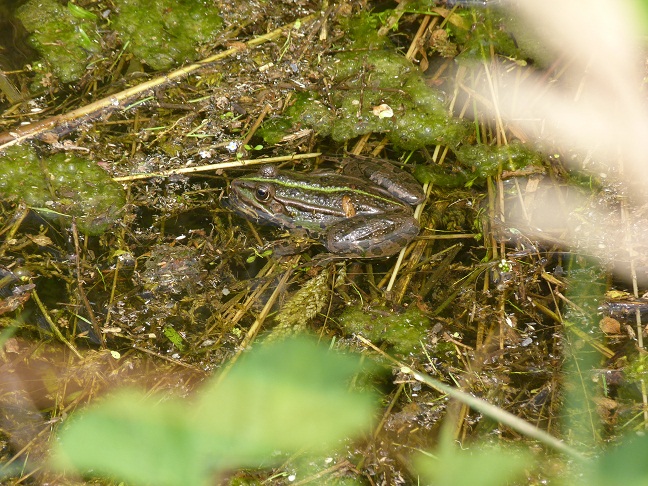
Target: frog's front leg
[(371, 236)]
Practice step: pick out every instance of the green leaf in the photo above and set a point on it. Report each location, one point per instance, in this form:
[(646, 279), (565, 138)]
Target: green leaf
[(624, 465), (492, 466), (80, 12), (283, 397), (173, 336)]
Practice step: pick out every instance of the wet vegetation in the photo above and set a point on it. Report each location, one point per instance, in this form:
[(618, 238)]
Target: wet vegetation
[(152, 335)]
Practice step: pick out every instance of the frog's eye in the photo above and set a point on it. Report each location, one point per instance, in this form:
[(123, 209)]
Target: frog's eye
[(263, 192)]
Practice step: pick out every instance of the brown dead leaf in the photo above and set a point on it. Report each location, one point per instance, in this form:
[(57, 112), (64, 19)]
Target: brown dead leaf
[(610, 326)]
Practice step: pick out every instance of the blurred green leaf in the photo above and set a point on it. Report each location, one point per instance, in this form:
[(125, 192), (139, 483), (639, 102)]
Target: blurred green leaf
[(489, 466), (282, 397), (625, 465)]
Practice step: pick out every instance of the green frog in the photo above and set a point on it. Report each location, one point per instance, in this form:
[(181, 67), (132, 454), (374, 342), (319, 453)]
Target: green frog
[(364, 212)]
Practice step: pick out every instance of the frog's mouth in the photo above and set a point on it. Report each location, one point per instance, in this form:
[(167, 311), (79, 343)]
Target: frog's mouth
[(242, 202), (239, 205)]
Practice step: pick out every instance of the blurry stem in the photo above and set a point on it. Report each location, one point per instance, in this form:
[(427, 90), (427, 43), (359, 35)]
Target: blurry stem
[(482, 406), (496, 102), (55, 330), (635, 292)]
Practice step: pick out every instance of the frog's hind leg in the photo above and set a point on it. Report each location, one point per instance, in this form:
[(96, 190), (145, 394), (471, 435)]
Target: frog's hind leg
[(371, 236)]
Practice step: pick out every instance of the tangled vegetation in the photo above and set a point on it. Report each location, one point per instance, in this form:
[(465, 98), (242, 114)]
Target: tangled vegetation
[(153, 336)]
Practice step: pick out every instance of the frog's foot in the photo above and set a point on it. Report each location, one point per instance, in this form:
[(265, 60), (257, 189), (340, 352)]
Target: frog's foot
[(289, 247), (323, 259)]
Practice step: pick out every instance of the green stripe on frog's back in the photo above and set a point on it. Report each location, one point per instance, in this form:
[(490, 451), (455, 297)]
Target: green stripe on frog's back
[(310, 186)]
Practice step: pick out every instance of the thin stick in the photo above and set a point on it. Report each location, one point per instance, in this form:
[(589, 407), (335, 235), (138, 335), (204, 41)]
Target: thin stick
[(53, 328), (220, 165), (257, 123), (82, 294), (258, 322)]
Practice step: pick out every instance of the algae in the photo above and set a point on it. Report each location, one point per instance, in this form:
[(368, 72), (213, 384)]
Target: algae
[(62, 185), (477, 162), (485, 35), (66, 38), (404, 331), (376, 90), (305, 111), (163, 33), (487, 160)]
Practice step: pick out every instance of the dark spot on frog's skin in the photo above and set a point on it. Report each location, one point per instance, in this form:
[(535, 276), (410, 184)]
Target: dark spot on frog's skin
[(400, 241), (268, 171)]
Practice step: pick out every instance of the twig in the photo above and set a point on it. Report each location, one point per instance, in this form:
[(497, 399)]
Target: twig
[(257, 123), (82, 294), (220, 165), (258, 322), (53, 328)]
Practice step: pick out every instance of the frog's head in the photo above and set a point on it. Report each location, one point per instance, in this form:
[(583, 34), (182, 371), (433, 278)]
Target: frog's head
[(253, 197)]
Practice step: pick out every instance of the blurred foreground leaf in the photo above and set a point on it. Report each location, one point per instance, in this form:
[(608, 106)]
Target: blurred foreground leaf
[(624, 465), (279, 398), (489, 466)]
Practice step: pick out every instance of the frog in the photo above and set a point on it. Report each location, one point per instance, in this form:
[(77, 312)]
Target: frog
[(364, 211)]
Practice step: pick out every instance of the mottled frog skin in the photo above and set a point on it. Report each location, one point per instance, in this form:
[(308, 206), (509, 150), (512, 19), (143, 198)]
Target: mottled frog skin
[(364, 212)]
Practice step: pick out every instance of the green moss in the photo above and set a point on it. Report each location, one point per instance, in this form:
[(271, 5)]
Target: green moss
[(163, 33), (484, 36), (21, 176), (375, 91), (402, 331), (355, 115), (422, 96), (362, 30), (436, 176), (273, 130), (487, 160), (416, 129), (311, 112), (305, 111), (65, 39), (62, 185), (86, 191), (374, 69)]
